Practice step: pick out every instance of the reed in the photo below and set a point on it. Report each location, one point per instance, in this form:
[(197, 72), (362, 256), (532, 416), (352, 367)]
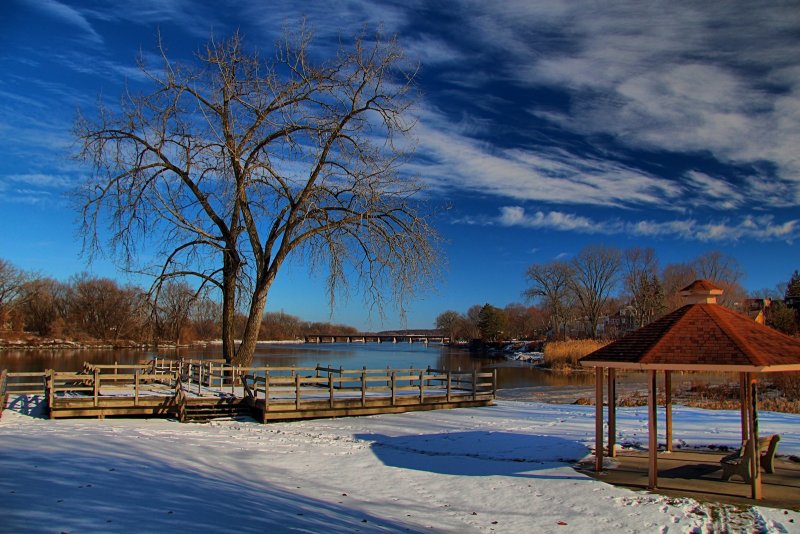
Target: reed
[(565, 355)]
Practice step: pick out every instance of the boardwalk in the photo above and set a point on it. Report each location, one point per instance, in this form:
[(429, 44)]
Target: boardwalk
[(200, 390)]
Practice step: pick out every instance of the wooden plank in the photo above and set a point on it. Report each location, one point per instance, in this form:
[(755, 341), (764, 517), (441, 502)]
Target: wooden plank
[(755, 456), (668, 408), (652, 406), (612, 412), (598, 419)]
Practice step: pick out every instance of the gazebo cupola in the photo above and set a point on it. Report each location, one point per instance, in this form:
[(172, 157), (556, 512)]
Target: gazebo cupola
[(701, 292)]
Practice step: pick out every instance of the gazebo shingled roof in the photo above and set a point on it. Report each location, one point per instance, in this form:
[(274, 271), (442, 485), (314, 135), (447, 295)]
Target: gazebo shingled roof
[(701, 337)]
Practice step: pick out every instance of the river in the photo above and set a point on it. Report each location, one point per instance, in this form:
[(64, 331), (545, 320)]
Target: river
[(347, 355)]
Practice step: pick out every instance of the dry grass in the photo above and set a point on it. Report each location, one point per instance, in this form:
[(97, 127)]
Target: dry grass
[(564, 355)]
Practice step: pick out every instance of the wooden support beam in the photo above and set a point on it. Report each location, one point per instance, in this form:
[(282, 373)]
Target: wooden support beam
[(652, 423), (668, 407), (755, 480), (612, 413), (598, 419), (745, 406)]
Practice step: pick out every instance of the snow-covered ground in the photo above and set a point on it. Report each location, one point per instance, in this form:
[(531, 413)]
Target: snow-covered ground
[(505, 468)]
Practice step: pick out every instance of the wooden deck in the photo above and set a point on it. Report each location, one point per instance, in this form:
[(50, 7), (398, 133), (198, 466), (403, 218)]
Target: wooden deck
[(200, 390), (696, 474)]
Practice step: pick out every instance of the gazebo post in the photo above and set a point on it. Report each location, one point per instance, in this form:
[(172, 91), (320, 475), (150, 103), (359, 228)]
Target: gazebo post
[(652, 425), (745, 406), (612, 412), (668, 407), (598, 419), (755, 480)]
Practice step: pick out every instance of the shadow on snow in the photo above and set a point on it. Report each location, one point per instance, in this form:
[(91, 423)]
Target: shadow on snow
[(478, 453)]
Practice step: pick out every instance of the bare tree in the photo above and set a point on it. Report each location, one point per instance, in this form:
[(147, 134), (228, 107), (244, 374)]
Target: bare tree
[(675, 277), (102, 309), (450, 322), (595, 272), (12, 289), (233, 164), (550, 283), (641, 283), (172, 306)]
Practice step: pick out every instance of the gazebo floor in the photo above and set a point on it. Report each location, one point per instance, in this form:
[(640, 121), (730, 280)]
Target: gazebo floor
[(696, 474)]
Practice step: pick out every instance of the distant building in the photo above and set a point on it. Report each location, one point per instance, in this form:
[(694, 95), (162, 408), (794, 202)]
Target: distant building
[(757, 308)]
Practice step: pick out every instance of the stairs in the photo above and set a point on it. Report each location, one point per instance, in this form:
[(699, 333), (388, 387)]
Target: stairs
[(204, 410)]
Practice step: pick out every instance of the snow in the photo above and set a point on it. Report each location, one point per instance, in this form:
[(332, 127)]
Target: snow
[(505, 468)]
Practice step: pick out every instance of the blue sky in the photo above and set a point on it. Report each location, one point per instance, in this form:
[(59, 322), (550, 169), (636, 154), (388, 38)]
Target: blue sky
[(544, 126)]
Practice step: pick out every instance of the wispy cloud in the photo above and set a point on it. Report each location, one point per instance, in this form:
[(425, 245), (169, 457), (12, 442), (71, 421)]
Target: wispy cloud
[(763, 228), (450, 158), (68, 15), (686, 78)]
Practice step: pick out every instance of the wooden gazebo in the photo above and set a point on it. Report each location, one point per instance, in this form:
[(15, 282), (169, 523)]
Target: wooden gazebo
[(700, 336)]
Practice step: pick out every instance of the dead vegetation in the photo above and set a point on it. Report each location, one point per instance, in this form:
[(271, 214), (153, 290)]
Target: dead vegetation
[(564, 355)]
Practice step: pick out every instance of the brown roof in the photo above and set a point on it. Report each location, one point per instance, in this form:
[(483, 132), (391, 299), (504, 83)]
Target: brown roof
[(701, 336), (701, 284)]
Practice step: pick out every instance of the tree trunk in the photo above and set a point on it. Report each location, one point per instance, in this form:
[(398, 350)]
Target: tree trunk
[(229, 273), (244, 354)]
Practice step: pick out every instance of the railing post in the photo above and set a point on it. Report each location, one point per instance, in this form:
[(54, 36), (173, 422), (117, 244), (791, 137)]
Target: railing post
[(199, 377), (266, 391), (50, 391), (297, 391), (494, 383), (233, 380), (421, 387), (96, 389), (394, 384), (363, 386), (474, 384), (136, 387), (449, 378), (330, 385)]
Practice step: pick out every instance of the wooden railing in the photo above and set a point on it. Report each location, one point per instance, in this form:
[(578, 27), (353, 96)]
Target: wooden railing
[(286, 386)]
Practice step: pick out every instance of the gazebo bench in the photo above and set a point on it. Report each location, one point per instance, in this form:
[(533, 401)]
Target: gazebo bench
[(738, 463)]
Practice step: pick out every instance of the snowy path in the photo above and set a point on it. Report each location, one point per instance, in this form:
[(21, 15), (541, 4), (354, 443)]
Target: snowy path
[(498, 469)]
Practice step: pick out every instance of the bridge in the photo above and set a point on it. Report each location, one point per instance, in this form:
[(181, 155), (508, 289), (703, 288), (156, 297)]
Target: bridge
[(376, 338)]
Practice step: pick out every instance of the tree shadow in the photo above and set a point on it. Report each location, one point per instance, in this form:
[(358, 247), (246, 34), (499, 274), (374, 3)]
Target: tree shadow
[(478, 453), (58, 487)]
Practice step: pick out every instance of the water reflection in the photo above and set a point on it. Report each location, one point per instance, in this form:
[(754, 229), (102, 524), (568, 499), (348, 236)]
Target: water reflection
[(345, 355)]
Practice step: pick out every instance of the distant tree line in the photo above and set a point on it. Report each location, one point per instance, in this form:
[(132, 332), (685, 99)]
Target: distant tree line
[(606, 291), (88, 308)]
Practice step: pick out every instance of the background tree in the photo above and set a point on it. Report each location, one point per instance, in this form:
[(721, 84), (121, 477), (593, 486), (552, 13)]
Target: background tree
[(641, 284), (791, 294), (12, 290), (595, 272), (42, 308), (550, 284), (450, 323), (491, 323), (172, 306), (103, 310), (675, 277), (723, 270), (237, 162), (780, 317)]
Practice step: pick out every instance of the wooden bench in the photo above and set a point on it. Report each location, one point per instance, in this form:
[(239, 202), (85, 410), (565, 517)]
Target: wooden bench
[(738, 463)]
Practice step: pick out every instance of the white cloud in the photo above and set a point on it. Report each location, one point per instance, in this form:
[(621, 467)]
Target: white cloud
[(762, 228)]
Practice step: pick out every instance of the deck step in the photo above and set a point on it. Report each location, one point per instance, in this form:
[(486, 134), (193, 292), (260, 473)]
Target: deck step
[(203, 412)]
